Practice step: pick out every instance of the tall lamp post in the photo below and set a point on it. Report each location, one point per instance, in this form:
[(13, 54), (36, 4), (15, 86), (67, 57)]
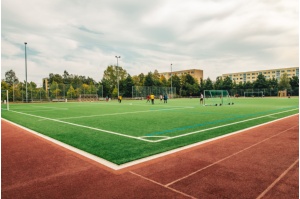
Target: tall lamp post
[(26, 71), (171, 83), (118, 73)]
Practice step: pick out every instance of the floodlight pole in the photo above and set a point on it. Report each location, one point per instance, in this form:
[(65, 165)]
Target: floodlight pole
[(26, 71), (171, 82), (118, 73)]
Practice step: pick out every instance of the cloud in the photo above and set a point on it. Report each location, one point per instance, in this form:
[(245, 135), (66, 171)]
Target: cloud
[(83, 37)]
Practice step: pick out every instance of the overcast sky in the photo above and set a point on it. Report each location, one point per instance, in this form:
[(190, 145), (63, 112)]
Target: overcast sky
[(84, 36)]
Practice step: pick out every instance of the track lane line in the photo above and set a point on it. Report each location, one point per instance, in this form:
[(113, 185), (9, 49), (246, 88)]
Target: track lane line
[(221, 160), (277, 180), (148, 179)]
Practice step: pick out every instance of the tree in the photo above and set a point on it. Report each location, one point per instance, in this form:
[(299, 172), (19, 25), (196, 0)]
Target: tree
[(284, 82), (260, 82), (176, 83), (189, 85), (227, 83), (247, 85), (11, 78), (139, 79), (55, 91), (163, 81), (55, 78), (218, 84), (149, 80), (127, 86), (208, 85), (110, 77), (71, 92), (156, 78), (294, 82)]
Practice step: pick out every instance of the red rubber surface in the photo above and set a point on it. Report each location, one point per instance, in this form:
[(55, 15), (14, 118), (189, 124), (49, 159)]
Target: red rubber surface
[(261, 162)]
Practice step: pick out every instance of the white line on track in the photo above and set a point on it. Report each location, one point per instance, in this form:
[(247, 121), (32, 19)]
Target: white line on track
[(277, 180), (221, 160)]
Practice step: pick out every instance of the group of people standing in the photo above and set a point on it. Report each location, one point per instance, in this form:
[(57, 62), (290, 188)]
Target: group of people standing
[(161, 97)]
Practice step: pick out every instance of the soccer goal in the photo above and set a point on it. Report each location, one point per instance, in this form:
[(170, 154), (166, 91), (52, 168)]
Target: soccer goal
[(4, 100), (88, 97), (254, 94), (217, 98)]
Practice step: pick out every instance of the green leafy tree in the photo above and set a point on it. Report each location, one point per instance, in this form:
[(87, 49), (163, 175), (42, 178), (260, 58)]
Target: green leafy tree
[(208, 85), (176, 83), (260, 82), (218, 84), (163, 81), (55, 78), (71, 92), (127, 86), (227, 83), (248, 85), (284, 82), (54, 89), (149, 81), (294, 82), (11, 78)]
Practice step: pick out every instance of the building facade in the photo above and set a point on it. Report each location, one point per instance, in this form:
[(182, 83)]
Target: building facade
[(196, 73), (251, 76)]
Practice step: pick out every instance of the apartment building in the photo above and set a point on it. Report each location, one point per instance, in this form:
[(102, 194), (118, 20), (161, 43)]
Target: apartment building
[(196, 73), (251, 76)]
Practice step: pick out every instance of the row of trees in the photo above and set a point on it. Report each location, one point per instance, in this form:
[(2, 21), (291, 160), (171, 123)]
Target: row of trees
[(71, 86)]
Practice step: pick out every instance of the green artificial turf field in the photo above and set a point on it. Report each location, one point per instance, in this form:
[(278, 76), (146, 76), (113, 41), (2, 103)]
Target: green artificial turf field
[(133, 129)]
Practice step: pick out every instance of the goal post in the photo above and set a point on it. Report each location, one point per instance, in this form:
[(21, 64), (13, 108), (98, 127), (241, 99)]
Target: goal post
[(4, 100), (254, 94), (217, 98)]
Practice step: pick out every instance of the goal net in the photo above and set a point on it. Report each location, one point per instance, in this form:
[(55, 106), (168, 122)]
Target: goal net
[(88, 97), (254, 94), (217, 98), (4, 100)]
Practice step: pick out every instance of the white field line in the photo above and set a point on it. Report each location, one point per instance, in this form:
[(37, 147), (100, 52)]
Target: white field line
[(123, 113), (82, 126), (216, 127), (41, 110), (139, 161)]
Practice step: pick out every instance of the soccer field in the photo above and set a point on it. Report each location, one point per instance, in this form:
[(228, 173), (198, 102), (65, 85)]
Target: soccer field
[(134, 129)]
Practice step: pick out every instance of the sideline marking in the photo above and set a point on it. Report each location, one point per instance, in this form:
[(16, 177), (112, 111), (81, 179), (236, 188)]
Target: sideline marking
[(142, 160), (236, 153), (88, 127), (277, 180)]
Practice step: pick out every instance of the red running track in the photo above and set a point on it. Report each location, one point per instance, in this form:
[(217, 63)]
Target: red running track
[(259, 163)]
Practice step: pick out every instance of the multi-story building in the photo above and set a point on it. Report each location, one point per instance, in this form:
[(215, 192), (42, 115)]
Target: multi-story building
[(251, 76), (196, 73)]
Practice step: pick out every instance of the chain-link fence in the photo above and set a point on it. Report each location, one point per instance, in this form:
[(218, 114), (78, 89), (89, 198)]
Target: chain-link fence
[(143, 91)]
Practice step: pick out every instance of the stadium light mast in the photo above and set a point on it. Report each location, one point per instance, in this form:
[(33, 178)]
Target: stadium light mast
[(171, 82), (118, 73), (26, 71)]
